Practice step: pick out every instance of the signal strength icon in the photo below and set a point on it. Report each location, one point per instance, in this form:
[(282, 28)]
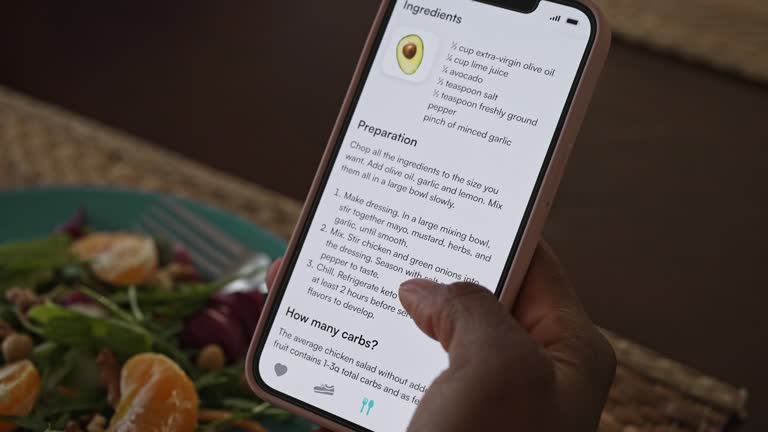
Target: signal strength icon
[(556, 18)]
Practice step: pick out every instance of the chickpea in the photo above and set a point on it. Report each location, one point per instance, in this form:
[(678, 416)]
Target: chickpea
[(163, 279), (211, 358), (17, 347), (182, 272), (97, 424)]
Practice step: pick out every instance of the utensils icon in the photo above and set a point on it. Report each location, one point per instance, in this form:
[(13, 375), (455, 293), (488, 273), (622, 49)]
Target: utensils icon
[(367, 406)]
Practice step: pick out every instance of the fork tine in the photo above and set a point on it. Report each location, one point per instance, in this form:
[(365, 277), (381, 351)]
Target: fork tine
[(223, 240), (149, 226), (191, 238)]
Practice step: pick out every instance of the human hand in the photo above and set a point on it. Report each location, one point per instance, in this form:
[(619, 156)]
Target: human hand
[(544, 367)]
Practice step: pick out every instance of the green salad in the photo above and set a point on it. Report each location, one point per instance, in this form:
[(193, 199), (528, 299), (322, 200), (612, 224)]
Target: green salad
[(117, 331)]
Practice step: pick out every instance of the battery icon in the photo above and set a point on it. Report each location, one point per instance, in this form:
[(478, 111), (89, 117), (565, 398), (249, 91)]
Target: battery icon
[(572, 21)]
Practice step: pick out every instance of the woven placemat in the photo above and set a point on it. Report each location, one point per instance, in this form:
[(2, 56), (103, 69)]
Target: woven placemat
[(731, 35), (42, 145)]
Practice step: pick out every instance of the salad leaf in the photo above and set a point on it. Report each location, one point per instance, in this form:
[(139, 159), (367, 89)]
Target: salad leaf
[(254, 408), (217, 386), (133, 300), (54, 361), (167, 330), (53, 411), (140, 319), (183, 300), (223, 377), (225, 424), (108, 305), (8, 313), (23, 321), (71, 328), (74, 368), (245, 405), (87, 402), (34, 262), (33, 423), (171, 350)]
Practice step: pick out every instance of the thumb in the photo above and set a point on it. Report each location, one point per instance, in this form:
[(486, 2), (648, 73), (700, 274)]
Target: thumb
[(461, 316)]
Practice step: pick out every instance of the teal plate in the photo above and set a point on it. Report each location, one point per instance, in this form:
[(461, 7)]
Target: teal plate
[(30, 213)]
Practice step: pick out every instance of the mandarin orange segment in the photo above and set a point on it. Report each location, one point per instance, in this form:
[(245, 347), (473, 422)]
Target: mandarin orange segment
[(157, 396), (19, 388), (118, 258)]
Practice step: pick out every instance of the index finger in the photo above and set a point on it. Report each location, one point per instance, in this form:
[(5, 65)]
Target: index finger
[(547, 306), (272, 272)]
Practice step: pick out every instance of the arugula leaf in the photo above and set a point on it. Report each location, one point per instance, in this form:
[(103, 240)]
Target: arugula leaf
[(71, 328), (226, 383), (166, 330), (54, 406), (23, 321), (245, 405), (225, 424), (54, 361), (182, 301), (255, 408), (108, 305), (133, 300), (29, 422), (34, 262), (172, 350), (225, 376)]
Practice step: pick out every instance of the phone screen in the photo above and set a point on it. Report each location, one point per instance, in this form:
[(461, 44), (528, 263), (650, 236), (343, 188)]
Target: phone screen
[(433, 177)]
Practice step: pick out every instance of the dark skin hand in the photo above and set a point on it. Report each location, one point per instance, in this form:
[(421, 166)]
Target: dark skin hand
[(543, 367)]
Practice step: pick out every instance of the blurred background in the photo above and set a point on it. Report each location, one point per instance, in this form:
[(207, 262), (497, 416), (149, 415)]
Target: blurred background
[(662, 216)]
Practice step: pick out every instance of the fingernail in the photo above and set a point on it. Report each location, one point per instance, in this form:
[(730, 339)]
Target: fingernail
[(416, 288)]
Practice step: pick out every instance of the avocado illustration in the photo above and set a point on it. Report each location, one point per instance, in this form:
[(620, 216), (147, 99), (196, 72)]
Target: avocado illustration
[(410, 53)]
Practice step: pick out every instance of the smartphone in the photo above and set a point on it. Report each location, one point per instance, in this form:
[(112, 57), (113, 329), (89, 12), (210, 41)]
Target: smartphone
[(442, 165)]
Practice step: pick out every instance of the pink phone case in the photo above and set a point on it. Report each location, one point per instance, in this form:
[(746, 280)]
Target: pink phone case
[(532, 231)]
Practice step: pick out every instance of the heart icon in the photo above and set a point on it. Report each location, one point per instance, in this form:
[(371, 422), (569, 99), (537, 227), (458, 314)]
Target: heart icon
[(281, 369)]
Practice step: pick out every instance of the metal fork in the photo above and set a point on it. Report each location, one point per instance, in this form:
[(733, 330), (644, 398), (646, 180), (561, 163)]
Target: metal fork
[(214, 252)]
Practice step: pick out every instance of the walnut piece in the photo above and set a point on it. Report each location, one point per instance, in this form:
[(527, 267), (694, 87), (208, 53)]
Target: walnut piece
[(22, 298), (97, 424), (110, 375)]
